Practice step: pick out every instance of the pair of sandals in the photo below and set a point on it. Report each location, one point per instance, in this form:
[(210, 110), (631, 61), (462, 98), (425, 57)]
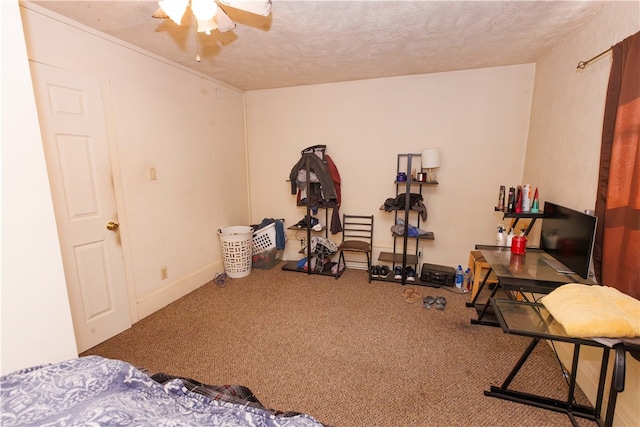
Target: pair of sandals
[(410, 295), (437, 302)]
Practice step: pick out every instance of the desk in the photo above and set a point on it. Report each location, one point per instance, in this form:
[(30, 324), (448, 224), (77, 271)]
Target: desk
[(533, 320), (519, 273), (479, 267)]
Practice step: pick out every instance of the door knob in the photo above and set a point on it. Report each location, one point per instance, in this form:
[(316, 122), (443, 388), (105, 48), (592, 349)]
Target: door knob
[(113, 226)]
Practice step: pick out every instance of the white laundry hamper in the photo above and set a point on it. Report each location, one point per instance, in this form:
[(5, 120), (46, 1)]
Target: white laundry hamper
[(236, 244)]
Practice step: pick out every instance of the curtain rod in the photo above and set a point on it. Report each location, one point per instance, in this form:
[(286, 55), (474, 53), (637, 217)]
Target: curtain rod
[(583, 64)]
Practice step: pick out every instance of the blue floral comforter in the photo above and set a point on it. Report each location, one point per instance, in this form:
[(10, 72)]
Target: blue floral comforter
[(94, 391)]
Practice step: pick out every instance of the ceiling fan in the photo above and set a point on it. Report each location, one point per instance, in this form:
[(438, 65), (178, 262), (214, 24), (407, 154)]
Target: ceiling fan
[(209, 14)]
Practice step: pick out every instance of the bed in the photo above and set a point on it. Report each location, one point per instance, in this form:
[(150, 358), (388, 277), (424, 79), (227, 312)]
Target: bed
[(95, 391)]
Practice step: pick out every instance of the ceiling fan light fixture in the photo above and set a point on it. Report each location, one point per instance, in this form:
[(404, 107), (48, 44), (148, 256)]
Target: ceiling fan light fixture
[(206, 26), (174, 9), (209, 15), (204, 10)]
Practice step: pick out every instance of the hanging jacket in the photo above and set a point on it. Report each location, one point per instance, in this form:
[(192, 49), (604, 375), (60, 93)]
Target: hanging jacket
[(336, 223), (326, 189), (319, 167)]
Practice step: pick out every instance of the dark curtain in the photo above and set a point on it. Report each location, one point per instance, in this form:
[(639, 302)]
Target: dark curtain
[(617, 246)]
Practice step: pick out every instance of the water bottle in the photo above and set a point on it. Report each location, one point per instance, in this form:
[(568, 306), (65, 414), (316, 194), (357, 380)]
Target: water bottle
[(459, 277), (466, 284)]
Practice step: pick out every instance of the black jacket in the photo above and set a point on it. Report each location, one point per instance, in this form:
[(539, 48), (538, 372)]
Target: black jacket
[(317, 166)]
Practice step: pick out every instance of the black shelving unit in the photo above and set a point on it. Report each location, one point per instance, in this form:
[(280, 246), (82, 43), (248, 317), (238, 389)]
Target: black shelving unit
[(515, 216), (293, 265), (400, 255)]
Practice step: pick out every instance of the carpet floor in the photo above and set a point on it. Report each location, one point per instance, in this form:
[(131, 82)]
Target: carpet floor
[(347, 352)]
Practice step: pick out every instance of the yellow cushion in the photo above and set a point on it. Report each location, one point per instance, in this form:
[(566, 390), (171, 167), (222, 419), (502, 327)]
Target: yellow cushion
[(586, 311)]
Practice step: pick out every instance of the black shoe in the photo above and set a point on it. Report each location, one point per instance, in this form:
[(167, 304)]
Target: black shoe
[(375, 271), (307, 222), (411, 274), (384, 271)]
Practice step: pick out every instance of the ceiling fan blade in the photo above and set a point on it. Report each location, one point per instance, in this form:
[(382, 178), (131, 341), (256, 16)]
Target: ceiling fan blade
[(160, 14), (259, 7), (224, 22)]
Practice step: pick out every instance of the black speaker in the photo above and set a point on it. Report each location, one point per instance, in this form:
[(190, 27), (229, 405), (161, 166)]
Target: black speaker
[(438, 274)]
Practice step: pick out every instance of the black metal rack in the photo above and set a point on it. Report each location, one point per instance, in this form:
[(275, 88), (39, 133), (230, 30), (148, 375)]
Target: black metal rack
[(293, 265), (402, 257)]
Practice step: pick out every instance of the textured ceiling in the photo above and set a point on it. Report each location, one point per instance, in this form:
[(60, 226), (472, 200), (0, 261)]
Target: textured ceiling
[(311, 42)]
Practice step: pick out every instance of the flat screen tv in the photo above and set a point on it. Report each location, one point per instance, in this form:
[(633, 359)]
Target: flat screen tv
[(568, 235)]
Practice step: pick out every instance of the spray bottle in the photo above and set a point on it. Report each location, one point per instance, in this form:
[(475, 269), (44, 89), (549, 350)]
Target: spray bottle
[(500, 237)]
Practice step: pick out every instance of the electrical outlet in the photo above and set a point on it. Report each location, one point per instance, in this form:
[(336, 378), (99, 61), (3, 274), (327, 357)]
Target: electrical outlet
[(163, 273), (152, 174), (302, 245)]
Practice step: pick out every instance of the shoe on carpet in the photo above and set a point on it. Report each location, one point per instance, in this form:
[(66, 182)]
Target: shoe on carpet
[(413, 296), (428, 301), (407, 292), (440, 303)]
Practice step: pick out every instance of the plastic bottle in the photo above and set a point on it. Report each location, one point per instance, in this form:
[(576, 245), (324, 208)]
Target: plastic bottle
[(459, 277), (526, 198), (535, 202), (501, 195), (500, 237), (511, 201), (466, 283), (518, 206), (510, 237)]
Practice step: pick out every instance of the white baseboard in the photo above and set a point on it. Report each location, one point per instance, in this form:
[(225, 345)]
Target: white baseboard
[(173, 291)]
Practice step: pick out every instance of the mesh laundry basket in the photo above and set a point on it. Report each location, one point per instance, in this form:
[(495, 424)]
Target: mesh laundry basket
[(236, 250)]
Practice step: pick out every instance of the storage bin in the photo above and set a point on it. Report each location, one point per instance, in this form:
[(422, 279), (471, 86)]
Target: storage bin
[(235, 242), (264, 238), (267, 259)]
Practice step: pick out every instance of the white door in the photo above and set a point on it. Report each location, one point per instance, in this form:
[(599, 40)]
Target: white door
[(75, 138)]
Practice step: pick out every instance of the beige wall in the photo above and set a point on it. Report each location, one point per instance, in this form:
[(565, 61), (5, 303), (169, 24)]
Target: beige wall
[(34, 309), (478, 118), (186, 126), (194, 136), (563, 149)]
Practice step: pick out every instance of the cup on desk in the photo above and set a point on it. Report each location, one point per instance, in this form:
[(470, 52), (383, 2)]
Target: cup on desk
[(519, 245)]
